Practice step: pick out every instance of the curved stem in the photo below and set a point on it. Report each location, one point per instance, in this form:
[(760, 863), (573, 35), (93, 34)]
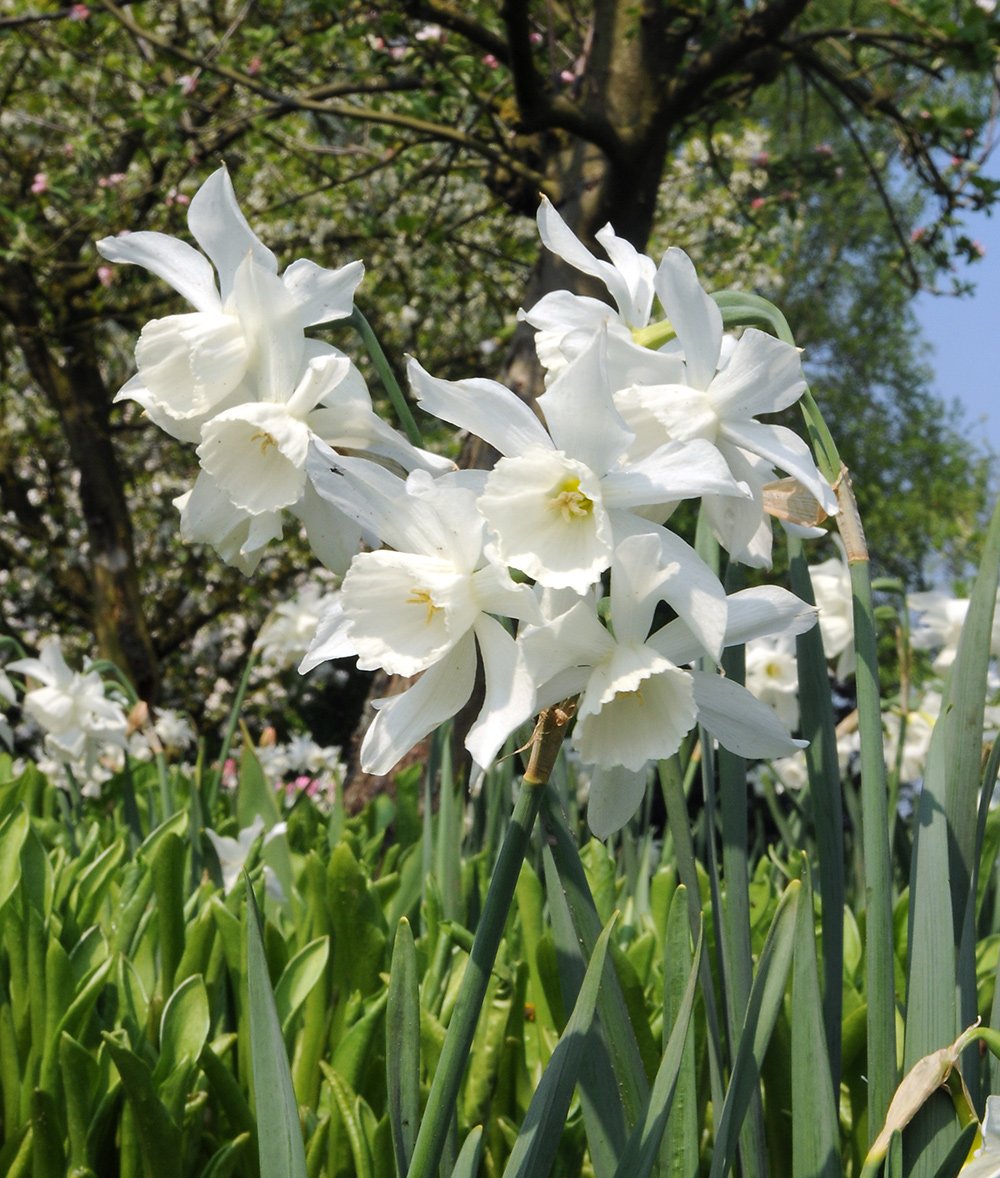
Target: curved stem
[(387, 376)]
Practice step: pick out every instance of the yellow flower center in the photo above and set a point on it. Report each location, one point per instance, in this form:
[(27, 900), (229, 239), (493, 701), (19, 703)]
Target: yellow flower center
[(423, 597), (570, 501), (266, 440), (772, 670)]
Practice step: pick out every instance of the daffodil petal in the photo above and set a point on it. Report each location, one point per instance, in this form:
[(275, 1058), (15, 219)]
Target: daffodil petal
[(320, 295), (693, 315), (483, 407), (177, 263), (615, 795), (402, 720), (219, 227), (738, 721), (510, 695)]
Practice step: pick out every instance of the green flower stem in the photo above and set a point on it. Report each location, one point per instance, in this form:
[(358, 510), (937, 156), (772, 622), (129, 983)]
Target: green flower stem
[(227, 739), (431, 1138), (387, 376)]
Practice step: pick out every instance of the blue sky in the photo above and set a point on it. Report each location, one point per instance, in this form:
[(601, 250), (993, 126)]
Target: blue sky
[(964, 334)]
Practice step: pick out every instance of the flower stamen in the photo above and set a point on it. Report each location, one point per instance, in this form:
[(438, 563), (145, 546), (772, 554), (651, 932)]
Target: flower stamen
[(570, 501), (423, 597)]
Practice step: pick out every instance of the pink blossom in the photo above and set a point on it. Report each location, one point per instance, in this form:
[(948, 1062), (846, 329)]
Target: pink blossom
[(490, 61), (918, 234), (174, 197), (535, 38), (567, 77), (79, 12), (254, 66), (188, 83), (105, 275), (40, 183), (111, 181), (760, 159), (758, 202)]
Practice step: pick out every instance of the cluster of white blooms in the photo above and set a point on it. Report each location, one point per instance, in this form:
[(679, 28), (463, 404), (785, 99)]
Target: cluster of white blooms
[(553, 575), (80, 721), (239, 377)]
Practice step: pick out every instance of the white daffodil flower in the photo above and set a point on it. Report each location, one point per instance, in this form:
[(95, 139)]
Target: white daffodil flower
[(560, 498), (566, 323), (78, 719), (637, 701), (194, 365), (772, 675), (425, 607), (939, 623), (831, 582), (232, 854), (717, 399)]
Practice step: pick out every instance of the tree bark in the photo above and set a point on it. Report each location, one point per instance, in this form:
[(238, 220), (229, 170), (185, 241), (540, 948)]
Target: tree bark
[(62, 360)]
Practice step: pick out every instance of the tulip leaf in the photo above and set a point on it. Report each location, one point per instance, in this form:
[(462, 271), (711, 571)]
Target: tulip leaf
[(297, 979)]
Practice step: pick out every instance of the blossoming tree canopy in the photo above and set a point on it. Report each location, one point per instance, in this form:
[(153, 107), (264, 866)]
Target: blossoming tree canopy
[(547, 570)]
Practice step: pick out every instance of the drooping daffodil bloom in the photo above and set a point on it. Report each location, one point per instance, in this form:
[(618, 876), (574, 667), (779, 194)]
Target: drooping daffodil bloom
[(703, 385), (831, 583), (772, 675), (79, 719), (718, 398), (561, 497), (194, 365), (566, 323), (239, 377), (637, 699), (233, 853), (427, 607)]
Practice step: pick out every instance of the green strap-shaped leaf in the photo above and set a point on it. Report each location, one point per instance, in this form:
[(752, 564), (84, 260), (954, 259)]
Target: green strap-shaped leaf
[(642, 1147), (279, 1136), (168, 883), (297, 979), (815, 1132), (158, 1137), (680, 1146), (48, 1157), (402, 1046), (600, 1099), (470, 1155), (225, 1160), (762, 1012), (350, 1114), (630, 1076), (538, 1139), (184, 1026)]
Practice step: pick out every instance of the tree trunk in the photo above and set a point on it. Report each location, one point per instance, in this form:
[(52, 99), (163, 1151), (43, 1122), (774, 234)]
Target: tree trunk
[(74, 387)]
